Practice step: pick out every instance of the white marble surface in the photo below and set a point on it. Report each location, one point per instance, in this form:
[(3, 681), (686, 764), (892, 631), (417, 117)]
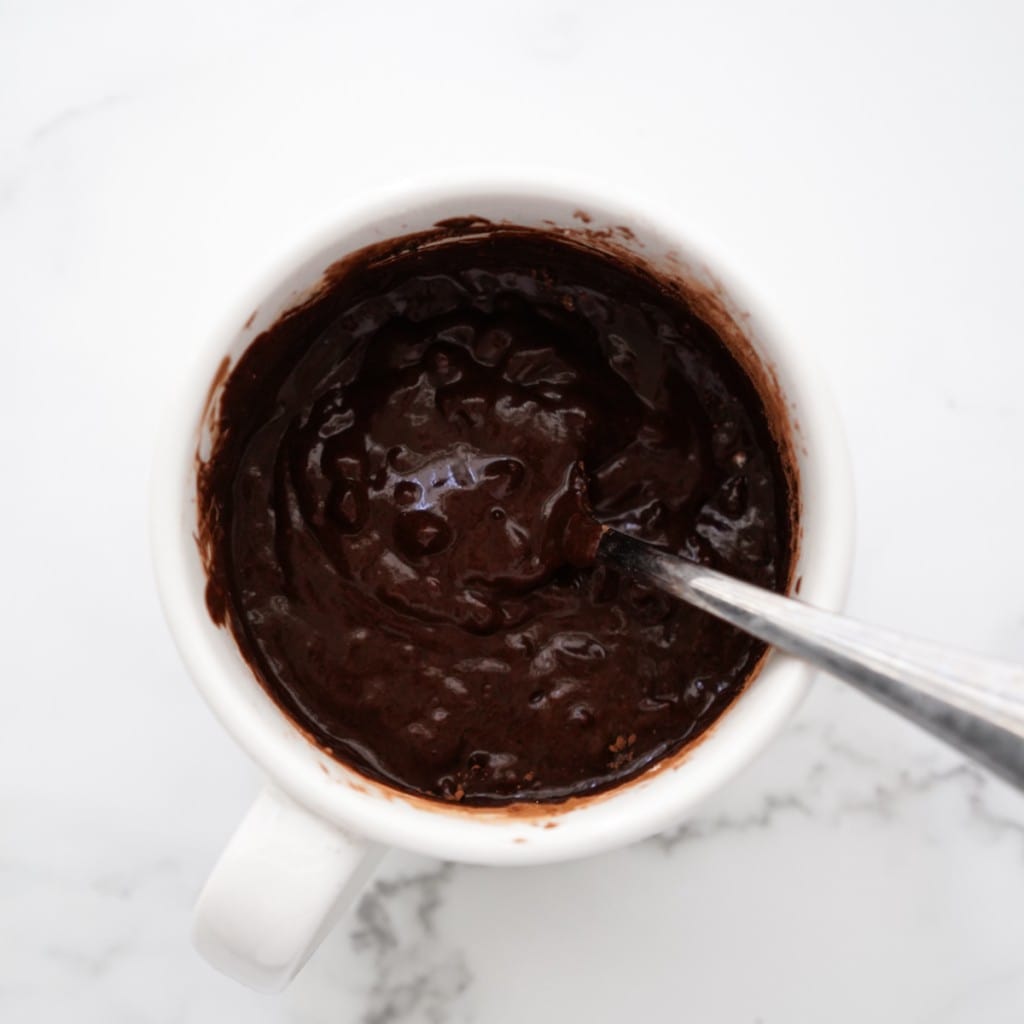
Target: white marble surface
[(862, 164)]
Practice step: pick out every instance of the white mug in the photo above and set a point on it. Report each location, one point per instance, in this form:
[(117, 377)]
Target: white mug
[(317, 830)]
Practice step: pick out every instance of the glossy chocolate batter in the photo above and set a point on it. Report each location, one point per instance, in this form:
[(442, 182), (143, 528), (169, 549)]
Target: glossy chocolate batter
[(396, 515)]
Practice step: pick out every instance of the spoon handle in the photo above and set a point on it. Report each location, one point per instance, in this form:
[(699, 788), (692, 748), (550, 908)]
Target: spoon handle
[(974, 703)]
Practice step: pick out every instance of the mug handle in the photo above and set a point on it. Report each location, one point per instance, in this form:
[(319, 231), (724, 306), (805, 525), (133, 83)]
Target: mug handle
[(282, 883)]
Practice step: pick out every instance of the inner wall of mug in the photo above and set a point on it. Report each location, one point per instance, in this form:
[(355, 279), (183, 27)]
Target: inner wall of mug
[(517, 832)]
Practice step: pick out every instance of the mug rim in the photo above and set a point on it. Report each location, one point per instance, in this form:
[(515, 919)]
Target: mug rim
[(652, 802)]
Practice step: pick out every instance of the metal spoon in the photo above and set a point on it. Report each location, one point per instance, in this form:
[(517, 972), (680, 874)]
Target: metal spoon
[(974, 703)]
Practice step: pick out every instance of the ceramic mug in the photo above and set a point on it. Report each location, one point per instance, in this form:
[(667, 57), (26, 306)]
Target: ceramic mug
[(316, 832)]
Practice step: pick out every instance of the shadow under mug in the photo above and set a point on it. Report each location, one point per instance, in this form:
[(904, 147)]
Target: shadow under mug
[(318, 829)]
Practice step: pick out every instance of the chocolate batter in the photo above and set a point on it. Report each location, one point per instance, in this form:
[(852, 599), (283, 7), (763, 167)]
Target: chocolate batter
[(396, 515)]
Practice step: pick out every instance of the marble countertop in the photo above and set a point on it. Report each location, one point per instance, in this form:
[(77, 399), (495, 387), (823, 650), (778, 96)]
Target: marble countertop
[(861, 164)]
